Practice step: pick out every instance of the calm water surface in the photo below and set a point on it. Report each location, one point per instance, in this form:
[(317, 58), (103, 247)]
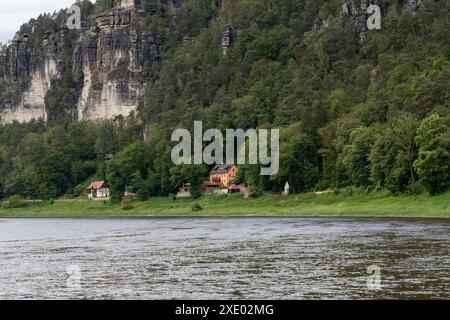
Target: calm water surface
[(253, 258)]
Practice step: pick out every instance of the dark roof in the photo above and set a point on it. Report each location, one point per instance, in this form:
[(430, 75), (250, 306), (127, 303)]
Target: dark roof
[(222, 168)]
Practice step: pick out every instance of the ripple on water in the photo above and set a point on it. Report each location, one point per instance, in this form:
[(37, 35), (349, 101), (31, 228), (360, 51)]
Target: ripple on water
[(223, 258)]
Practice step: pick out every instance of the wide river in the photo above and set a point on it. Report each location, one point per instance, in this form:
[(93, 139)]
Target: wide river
[(242, 258)]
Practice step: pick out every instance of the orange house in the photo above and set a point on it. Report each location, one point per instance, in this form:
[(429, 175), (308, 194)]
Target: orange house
[(223, 175)]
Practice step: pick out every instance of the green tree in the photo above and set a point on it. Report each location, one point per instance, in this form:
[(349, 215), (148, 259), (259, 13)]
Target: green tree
[(296, 160), (2, 172), (195, 175), (250, 175), (54, 175), (106, 142), (433, 164), (356, 155), (116, 181), (24, 183), (133, 164), (393, 154)]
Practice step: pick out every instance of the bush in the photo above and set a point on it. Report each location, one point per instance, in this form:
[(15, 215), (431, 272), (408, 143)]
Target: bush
[(15, 202), (196, 207), (196, 192), (79, 191), (322, 185), (415, 188), (127, 206), (348, 191), (255, 191)]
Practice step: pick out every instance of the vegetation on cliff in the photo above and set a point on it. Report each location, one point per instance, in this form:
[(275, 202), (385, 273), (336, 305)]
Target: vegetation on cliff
[(373, 114)]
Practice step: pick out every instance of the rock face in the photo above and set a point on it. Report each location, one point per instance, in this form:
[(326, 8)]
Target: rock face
[(358, 10), (359, 14), (33, 72), (227, 39), (174, 4), (317, 24), (412, 6), (109, 59)]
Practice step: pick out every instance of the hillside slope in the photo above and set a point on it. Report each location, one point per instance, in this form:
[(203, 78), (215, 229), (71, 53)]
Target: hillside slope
[(356, 107)]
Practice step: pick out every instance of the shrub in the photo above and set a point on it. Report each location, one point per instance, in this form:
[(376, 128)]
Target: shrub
[(416, 188), (79, 191), (196, 207), (15, 202), (127, 206), (255, 191), (348, 191), (322, 185)]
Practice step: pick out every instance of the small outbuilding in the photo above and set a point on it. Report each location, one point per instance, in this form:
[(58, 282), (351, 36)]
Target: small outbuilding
[(233, 188), (184, 191), (98, 190)]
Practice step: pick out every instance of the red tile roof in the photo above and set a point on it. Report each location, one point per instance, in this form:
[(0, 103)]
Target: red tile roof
[(97, 185), (234, 187)]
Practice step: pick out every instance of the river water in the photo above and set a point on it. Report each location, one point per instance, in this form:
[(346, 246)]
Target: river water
[(242, 258)]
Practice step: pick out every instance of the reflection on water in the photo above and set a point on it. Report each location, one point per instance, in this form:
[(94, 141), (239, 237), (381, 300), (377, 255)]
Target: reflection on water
[(258, 258)]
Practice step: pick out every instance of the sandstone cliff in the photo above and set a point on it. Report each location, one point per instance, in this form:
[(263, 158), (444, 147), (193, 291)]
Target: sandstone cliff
[(111, 57), (108, 57)]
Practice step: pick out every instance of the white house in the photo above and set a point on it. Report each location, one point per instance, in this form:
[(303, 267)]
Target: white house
[(98, 190)]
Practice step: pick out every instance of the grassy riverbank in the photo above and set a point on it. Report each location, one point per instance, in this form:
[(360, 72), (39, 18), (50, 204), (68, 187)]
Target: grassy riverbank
[(379, 204)]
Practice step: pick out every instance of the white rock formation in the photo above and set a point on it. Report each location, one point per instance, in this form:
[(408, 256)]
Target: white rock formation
[(32, 101)]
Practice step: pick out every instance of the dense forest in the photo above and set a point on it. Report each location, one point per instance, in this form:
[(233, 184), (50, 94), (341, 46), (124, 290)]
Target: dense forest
[(372, 113)]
